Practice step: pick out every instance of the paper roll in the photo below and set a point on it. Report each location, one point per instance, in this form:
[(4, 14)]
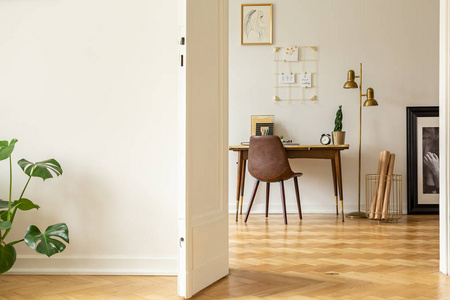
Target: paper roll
[(374, 197), (387, 191), (382, 184)]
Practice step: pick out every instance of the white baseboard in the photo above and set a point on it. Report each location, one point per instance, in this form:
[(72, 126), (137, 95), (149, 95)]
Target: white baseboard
[(41, 265), (260, 208)]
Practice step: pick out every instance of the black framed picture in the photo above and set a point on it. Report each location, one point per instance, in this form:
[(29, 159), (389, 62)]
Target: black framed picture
[(264, 129), (422, 138)]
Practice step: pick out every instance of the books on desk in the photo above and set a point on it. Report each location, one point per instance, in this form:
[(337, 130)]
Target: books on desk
[(284, 144)]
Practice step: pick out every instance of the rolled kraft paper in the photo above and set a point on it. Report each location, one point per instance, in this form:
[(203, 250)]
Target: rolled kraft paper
[(382, 184), (387, 192), (374, 197)]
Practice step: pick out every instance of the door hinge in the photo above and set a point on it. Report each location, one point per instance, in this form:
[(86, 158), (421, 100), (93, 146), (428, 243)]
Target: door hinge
[(182, 62), (182, 41)]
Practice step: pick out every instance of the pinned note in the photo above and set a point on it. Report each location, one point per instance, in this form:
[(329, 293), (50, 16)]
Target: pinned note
[(290, 53), (287, 78), (305, 80)]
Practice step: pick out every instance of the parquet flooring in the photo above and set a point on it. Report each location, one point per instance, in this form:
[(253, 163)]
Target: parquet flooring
[(316, 258)]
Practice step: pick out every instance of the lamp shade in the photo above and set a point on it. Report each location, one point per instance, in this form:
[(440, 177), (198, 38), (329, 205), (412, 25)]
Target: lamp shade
[(350, 84), (370, 98)]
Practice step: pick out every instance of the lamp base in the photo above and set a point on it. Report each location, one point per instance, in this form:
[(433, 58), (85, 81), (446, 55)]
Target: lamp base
[(356, 215)]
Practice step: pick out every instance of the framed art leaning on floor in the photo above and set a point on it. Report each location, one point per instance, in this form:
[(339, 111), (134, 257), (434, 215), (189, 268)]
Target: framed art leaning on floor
[(423, 159)]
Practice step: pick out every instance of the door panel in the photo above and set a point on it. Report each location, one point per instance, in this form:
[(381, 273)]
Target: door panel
[(203, 218)]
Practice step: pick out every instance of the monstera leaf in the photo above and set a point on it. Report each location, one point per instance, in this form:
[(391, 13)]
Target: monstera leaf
[(41, 169), (7, 257), (5, 225), (25, 204), (22, 204), (44, 243), (3, 215), (6, 148)]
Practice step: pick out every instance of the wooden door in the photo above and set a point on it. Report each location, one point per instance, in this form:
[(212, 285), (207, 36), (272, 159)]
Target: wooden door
[(203, 156)]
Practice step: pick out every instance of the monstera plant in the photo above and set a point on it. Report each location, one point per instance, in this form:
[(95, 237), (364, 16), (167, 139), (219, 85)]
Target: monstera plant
[(48, 242)]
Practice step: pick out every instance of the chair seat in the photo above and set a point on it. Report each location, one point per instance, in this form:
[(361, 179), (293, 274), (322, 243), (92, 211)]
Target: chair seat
[(277, 179)]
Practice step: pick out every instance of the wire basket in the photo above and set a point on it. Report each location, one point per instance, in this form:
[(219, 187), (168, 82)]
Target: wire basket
[(394, 205)]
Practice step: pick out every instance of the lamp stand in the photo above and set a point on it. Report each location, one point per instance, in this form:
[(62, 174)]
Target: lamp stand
[(359, 214)]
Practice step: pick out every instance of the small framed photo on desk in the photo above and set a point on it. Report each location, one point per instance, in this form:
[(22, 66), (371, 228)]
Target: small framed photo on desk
[(262, 119), (264, 129)]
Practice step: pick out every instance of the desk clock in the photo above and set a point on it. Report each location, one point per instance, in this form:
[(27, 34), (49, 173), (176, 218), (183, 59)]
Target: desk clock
[(325, 139)]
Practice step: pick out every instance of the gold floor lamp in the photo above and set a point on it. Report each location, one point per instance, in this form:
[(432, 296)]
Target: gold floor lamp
[(351, 84)]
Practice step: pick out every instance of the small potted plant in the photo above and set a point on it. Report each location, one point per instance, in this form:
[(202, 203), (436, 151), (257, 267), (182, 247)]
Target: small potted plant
[(338, 135)]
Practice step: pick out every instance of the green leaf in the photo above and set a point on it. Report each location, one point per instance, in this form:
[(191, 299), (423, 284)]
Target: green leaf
[(3, 203), (5, 225), (7, 257), (44, 243), (25, 204), (41, 169), (3, 215), (6, 149)]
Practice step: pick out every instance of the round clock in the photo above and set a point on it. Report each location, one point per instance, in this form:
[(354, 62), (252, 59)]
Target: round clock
[(325, 139)]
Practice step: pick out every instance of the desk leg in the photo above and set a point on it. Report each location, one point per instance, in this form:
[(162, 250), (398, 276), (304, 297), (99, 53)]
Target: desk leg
[(267, 198), (238, 188), (243, 182), (333, 170), (337, 159)]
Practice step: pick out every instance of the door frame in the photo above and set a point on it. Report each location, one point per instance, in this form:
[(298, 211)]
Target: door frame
[(444, 138), (444, 107)]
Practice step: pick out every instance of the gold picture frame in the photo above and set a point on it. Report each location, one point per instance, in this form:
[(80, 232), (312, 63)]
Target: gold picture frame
[(261, 119), (256, 24)]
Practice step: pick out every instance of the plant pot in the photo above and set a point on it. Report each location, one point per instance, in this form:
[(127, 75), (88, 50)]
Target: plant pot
[(338, 137)]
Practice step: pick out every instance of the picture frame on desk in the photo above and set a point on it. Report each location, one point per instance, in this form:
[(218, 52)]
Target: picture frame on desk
[(266, 127), (422, 159)]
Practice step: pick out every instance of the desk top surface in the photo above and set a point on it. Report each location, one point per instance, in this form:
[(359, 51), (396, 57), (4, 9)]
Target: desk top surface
[(298, 147)]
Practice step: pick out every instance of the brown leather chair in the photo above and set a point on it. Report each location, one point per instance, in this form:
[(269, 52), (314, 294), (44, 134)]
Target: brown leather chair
[(268, 162)]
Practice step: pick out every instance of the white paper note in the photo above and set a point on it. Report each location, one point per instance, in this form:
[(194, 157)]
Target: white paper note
[(290, 53), (305, 80)]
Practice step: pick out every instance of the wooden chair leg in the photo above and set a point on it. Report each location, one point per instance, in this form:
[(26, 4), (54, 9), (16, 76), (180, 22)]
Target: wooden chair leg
[(243, 183), (267, 198), (283, 201), (297, 194), (251, 200)]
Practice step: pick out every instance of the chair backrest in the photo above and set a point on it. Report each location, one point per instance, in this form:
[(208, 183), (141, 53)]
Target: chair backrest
[(267, 159)]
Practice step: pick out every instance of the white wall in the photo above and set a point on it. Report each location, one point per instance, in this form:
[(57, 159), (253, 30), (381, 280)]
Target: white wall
[(92, 83), (398, 44)]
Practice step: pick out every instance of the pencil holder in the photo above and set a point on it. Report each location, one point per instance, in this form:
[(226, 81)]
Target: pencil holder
[(384, 206)]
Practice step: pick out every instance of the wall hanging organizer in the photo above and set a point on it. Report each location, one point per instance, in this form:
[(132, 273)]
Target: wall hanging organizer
[(295, 74)]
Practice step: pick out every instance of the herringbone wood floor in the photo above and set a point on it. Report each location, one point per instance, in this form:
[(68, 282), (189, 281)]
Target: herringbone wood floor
[(317, 258)]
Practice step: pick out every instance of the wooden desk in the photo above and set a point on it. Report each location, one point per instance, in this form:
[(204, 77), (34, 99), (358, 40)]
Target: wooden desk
[(332, 152)]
